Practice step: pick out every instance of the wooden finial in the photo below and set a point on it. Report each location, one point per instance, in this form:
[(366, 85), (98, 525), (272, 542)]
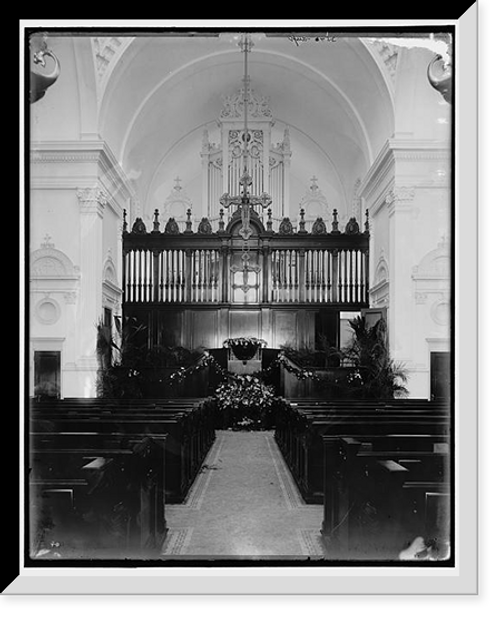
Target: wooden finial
[(269, 219), (335, 222), (221, 219), (302, 223), (156, 222), (189, 224)]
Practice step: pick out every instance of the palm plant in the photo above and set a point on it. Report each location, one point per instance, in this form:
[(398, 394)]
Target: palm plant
[(120, 360), (379, 375)]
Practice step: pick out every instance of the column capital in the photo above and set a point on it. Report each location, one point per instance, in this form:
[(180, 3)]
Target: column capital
[(92, 199), (399, 197)]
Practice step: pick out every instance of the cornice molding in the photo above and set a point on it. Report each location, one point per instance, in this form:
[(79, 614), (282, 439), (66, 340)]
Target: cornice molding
[(71, 152), (68, 151), (393, 151)]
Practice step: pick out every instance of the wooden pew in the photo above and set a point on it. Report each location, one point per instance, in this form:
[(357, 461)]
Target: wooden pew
[(381, 493), (179, 463), (299, 435), (100, 501), (190, 429)]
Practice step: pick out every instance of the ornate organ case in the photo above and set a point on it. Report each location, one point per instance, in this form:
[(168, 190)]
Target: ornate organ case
[(286, 284), (197, 288), (268, 164)]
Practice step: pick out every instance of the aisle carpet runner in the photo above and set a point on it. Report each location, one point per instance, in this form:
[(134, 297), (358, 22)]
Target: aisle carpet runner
[(244, 504)]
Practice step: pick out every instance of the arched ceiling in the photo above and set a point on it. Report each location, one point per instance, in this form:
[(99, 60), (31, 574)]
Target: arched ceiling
[(157, 92)]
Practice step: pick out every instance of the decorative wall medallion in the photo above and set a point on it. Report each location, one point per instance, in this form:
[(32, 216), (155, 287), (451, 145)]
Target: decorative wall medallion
[(48, 311), (440, 312)]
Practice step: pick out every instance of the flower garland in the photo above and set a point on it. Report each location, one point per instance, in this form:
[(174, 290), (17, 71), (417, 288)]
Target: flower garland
[(300, 373), (206, 361)]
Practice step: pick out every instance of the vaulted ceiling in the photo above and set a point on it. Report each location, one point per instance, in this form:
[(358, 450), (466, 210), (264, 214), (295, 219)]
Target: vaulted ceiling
[(157, 93)]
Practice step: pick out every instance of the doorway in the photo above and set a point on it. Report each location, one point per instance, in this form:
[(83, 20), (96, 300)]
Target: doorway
[(48, 374), (440, 376)]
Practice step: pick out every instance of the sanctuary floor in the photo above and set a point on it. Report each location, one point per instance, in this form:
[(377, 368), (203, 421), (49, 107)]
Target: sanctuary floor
[(244, 504)]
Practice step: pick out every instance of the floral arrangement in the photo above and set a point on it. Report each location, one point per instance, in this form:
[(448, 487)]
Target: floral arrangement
[(244, 401), (244, 347), (244, 340)]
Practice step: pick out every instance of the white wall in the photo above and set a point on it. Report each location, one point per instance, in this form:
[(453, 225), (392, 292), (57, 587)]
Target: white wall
[(408, 193), (76, 198)]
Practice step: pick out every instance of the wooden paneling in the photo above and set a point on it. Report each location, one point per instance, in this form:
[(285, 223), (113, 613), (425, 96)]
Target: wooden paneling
[(245, 323), (170, 328), (205, 328), (284, 326)]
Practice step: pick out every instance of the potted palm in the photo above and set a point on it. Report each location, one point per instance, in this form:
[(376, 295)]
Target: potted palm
[(374, 374)]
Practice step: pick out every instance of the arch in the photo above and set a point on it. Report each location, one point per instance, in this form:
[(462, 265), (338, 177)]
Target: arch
[(381, 272), (235, 223), (434, 264), (306, 69), (50, 263), (87, 87), (109, 273), (146, 115)]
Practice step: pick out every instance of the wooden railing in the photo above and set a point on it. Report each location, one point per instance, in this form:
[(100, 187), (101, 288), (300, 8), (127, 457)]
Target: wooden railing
[(200, 268)]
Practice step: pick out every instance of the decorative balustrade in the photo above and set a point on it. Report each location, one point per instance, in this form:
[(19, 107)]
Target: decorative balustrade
[(206, 266)]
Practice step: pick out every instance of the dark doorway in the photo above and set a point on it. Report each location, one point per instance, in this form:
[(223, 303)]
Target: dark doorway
[(48, 374), (440, 376)]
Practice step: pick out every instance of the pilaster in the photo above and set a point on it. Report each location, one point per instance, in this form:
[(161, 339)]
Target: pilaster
[(408, 197), (92, 202)]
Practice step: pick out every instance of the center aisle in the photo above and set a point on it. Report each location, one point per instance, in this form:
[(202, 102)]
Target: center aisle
[(244, 503)]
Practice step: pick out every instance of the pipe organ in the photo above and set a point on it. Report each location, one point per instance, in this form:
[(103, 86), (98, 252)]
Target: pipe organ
[(312, 276), (268, 163), (220, 274), (236, 275)]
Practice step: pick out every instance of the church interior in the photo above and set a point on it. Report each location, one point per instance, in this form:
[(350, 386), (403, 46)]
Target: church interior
[(240, 296)]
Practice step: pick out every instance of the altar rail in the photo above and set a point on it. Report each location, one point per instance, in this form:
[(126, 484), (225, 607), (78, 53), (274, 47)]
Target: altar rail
[(201, 267)]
